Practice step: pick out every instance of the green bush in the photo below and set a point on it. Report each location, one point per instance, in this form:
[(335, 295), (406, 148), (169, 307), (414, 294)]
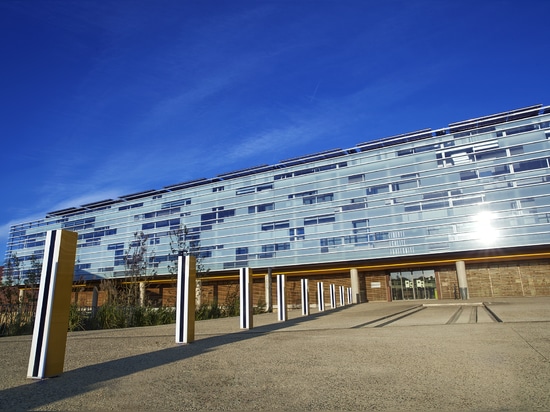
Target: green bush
[(109, 316), (77, 319)]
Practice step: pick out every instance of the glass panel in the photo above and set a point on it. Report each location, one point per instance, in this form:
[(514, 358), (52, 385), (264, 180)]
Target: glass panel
[(409, 285)]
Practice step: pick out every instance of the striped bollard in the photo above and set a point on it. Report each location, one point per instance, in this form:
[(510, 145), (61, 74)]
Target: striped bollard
[(281, 298), (305, 297), (349, 297), (246, 298), (332, 296), (342, 301), (49, 338), (185, 299), (320, 296)]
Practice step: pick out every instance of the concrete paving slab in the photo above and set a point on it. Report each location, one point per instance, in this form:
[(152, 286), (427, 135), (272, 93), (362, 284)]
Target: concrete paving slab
[(327, 361)]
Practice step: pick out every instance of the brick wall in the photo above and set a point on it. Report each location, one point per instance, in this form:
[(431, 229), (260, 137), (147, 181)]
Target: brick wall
[(485, 280), (376, 285)]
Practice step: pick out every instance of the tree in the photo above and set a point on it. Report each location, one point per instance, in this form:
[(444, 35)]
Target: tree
[(32, 277), (187, 243), (11, 280), (138, 261)]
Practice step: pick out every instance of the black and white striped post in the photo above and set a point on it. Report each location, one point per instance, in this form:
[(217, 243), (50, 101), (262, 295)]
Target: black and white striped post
[(349, 296), (185, 299), (320, 297), (246, 298), (332, 296), (305, 297), (281, 298), (49, 338), (342, 301)]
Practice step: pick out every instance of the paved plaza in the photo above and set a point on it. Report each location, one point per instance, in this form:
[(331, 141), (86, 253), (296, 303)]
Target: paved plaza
[(491, 355)]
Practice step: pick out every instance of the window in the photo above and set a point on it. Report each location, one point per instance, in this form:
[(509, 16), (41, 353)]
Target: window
[(296, 233), (264, 187), (284, 224), (435, 195), (381, 236), (276, 247), (360, 225), (356, 178), (130, 206), (468, 174), (357, 203), (375, 190), (265, 207), (357, 240), (494, 171), (302, 194), (530, 165), (261, 208), (245, 191), (318, 199), (268, 248), (411, 184), (162, 223), (331, 241), (217, 216), (412, 207), (310, 170), (175, 203), (254, 189), (218, 189), (241, 253), (435, 205), (491, 154), (409, 181), (319, 219), (521, 129)]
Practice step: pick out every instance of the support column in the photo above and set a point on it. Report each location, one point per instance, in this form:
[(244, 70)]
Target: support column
[(268, 300), (246, 298), (342, 301), (281, 297), (332, 296), (185, 299), (462, 281), (142, 289), (305, 297), (355, 292), (95, 297)]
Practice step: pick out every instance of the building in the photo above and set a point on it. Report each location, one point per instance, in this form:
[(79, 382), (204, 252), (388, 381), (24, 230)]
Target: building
[(397, 213)]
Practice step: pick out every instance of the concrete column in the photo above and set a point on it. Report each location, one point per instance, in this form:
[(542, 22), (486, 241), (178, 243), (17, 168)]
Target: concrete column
[(141, 294), (268, 301), (462, 281), (355, 292), (95, 297)]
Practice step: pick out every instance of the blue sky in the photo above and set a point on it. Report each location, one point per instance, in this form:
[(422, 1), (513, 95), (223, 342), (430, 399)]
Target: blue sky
[(104, 98)]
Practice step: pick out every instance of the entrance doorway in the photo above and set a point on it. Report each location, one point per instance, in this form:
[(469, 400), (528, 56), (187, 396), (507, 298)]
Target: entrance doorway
[(413, 284)]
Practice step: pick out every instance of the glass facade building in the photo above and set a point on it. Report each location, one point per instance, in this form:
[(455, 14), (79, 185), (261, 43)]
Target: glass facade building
[(474, 185)]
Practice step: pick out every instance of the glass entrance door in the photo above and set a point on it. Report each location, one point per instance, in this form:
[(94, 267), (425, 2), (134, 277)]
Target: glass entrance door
[(413, 284)]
